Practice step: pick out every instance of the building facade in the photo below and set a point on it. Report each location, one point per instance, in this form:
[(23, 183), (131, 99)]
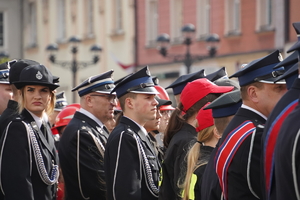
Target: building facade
[(247, 29), (11, 34), (109, 24)]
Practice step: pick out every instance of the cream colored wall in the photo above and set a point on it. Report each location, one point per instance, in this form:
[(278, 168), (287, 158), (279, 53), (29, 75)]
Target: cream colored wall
[(122, 46)]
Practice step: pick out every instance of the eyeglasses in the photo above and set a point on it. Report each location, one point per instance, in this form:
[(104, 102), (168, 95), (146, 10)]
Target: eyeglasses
[(110, 98), (165, 112)]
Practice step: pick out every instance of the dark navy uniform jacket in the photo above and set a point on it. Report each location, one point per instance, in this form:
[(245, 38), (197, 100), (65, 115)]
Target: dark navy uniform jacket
[(8, 115), (239, 185), (284, 106), (123, 163), (88, 181), (287, 158), (174, 164), (19, 175)]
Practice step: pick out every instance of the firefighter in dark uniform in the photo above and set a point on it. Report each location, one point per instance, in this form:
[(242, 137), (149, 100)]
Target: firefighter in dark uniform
[(130, 163), (287, 147), (237, 160), (29, 160), (285, 105), (82, 145), (11, 110), (223, 110), (178, 85)]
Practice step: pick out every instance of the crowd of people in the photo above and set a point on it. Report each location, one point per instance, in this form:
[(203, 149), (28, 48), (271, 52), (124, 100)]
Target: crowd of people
[(222, 139)]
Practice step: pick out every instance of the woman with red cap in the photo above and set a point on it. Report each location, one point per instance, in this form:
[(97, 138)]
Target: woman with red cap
[(181, 131), (28, 159)]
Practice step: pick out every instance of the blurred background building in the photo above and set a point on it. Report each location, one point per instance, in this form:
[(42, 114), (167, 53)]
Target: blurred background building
[(124, 34)]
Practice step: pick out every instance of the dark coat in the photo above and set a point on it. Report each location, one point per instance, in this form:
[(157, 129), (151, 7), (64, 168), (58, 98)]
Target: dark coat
[(205, 152), (18, 180), (174, 164), (124, 171), (210, 187), (284, 106), (237, 180), (8, 115), (92, 183), (287, 158)]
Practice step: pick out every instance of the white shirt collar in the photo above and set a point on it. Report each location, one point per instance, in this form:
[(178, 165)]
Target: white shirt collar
[(253, 110), (90, 115), (141, 127), (38, 120)]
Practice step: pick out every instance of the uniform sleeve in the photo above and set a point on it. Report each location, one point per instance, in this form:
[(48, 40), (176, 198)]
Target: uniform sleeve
[(15, 163), (125, 174)]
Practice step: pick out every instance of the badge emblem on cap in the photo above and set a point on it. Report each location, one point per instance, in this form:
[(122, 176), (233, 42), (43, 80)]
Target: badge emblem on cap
[(39, 75)]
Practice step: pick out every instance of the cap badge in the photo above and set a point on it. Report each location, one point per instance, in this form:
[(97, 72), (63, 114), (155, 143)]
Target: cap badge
[(39, 75)]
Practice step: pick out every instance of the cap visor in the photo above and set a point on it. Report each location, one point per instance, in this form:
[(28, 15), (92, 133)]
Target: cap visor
[(221, 89), (146, 90), (272, 81)]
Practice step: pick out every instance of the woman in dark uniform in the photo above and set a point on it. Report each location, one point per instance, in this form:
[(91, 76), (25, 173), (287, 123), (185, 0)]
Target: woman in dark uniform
[(28, 159), (199, 154)]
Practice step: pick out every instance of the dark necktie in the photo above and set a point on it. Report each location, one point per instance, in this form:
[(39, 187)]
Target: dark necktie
[(44, 129)]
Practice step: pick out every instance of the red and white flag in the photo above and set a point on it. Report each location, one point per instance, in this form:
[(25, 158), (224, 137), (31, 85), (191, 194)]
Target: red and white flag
[(128, 68)]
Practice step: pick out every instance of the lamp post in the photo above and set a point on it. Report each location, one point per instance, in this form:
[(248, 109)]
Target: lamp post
[(188, 31), (74, 65)]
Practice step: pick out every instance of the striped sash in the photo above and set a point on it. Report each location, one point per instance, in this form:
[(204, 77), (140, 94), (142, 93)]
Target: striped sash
[(228, 149), (270, 142)]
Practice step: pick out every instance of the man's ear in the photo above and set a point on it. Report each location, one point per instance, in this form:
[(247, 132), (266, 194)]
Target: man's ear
[(88, 100), (129, 103), (252, 93)]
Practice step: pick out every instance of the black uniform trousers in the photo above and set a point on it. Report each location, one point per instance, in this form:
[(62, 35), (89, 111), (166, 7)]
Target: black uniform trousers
[(284, 106), (237, 180), (83, 175), (124, 171), (174, 164), (19, 174), (287, 158)]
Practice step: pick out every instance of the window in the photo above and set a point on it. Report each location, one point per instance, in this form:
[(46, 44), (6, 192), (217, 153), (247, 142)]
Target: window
[(233, 16), (1, 29), (152, 22), (203, 18), (61, 20), (264, 18), (176, 21), (90, 18), (117, 16), (32, 25)]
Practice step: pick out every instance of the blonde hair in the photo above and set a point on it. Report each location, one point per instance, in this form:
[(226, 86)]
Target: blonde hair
[(22, 101), (193, 158)]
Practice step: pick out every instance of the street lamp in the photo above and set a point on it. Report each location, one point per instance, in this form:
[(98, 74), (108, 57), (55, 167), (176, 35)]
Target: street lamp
[(74, 65), (188, 32)]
